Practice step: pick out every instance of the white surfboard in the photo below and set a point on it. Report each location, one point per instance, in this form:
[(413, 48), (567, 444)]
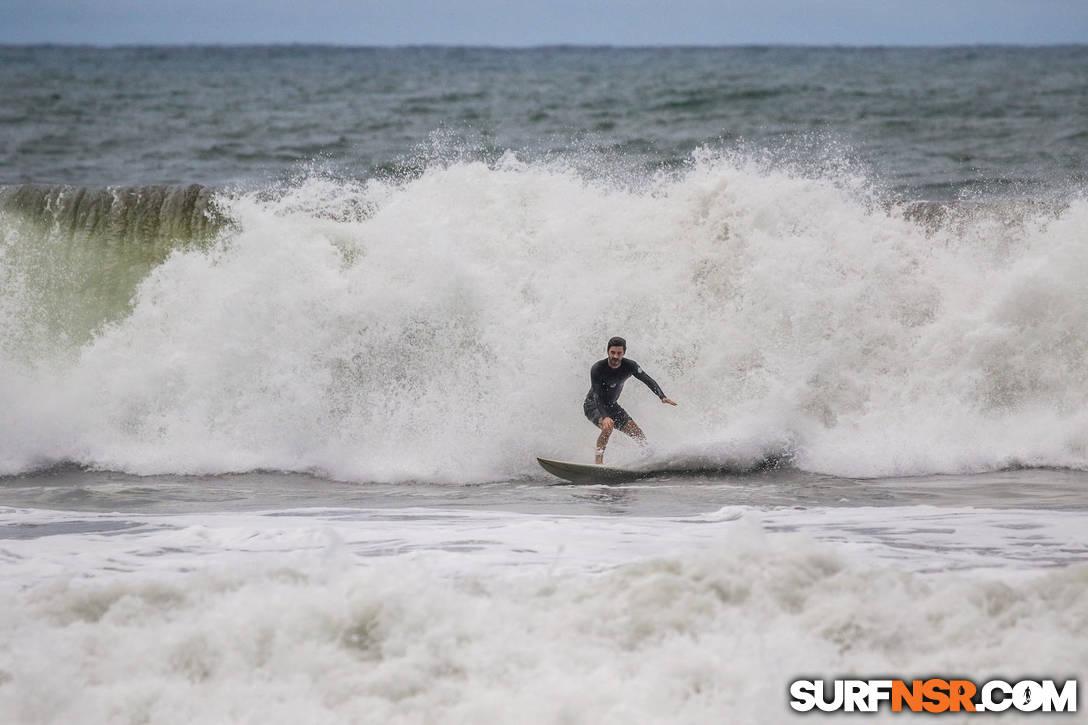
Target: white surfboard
[(589, 473)]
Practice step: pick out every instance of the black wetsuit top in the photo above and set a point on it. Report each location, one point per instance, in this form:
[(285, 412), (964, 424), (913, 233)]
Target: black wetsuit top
[(606, 384)]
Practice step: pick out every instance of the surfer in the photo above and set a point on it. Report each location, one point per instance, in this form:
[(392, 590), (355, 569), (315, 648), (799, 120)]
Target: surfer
[(606, 379)]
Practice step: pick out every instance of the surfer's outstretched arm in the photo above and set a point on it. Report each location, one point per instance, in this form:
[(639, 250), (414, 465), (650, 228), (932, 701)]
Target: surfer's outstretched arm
[(640, 374), (653, 386)]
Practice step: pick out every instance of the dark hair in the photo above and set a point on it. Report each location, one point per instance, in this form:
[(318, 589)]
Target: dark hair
[(617, 342)]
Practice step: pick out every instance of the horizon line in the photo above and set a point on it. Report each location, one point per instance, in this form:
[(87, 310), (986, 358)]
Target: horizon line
[(537, 46)]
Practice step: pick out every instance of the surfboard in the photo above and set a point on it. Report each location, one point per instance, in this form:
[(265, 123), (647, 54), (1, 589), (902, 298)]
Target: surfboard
[(589, 473)]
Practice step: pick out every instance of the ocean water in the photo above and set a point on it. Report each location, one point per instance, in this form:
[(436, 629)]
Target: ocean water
[(283, 329)]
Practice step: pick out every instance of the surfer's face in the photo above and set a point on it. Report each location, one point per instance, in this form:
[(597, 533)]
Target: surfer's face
[(615, 356)]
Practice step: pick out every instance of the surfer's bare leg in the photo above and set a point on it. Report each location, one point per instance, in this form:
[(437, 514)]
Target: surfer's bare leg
[(631, 428), (606, 425)]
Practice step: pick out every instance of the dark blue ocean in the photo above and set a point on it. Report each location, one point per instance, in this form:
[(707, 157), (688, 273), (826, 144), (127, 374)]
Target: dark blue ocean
[(931, 123)]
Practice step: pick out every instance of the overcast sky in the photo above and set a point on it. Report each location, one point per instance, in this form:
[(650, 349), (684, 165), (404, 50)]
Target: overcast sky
[(536, 22)]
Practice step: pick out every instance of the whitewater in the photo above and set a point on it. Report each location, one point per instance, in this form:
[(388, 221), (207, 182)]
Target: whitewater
[(440, 328)]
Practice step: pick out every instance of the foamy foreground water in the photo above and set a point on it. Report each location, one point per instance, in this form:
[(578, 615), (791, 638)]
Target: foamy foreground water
[(472, 614)]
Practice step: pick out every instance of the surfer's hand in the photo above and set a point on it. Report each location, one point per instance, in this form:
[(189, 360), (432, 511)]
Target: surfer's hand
[(668, 401)]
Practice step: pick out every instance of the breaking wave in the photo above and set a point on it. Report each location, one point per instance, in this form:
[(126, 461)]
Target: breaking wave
[(441, 327)]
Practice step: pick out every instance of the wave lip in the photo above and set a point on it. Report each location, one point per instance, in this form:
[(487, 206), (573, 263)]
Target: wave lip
[(135, 214)]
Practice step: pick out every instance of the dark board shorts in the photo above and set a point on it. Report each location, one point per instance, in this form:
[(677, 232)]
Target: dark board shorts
[(615, 412)]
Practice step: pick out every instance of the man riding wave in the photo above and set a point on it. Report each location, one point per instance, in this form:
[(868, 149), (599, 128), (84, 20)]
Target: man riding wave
[(606, 379)]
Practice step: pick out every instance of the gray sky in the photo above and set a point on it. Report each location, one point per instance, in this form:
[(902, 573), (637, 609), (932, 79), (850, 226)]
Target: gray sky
[(535, 22)]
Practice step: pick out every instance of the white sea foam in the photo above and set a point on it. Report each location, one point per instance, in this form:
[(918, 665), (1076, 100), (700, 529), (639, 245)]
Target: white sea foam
[(442, 328), (411, 616)]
